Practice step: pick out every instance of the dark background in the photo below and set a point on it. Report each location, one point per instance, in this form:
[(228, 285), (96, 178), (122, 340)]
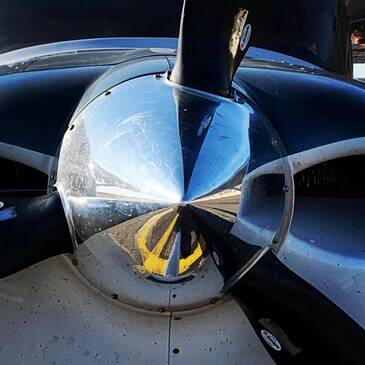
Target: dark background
[(29, 22), (289, 26)]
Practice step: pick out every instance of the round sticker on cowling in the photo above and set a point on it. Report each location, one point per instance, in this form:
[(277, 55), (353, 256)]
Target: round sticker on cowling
[(245, 37), (271, 340)]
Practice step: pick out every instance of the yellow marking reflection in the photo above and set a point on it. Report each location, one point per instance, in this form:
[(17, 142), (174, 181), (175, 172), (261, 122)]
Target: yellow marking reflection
[(163, 240), (185, 264), (152, 262)]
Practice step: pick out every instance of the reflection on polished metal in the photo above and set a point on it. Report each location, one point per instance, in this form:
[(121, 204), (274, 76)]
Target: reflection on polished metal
[(160, 176)]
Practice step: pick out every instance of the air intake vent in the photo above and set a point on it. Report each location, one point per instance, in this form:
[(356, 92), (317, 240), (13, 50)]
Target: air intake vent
[(340, 178), (17, 179)]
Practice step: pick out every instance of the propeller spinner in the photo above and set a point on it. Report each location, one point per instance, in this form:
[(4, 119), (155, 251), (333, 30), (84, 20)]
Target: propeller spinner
[(153, 171)]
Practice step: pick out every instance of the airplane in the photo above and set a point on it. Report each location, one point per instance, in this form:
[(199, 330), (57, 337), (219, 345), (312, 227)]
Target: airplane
[(171, 200)]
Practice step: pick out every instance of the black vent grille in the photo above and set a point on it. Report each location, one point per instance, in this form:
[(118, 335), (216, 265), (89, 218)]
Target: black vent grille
[(340, 178), (17, 179)]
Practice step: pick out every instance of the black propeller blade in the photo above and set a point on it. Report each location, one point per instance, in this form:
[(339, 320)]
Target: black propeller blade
[(32, 230), (214, 37)]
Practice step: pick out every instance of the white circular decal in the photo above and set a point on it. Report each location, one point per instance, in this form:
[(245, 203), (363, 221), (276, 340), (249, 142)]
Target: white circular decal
[(245, 36), (271, 340)]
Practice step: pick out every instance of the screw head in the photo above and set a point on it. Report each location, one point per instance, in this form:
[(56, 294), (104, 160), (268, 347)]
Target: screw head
[(53, 176)]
